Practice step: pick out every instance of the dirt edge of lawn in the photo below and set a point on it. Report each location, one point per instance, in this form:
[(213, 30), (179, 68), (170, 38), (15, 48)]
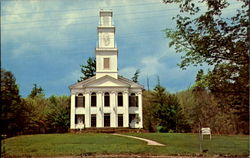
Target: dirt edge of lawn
[(129, 155)]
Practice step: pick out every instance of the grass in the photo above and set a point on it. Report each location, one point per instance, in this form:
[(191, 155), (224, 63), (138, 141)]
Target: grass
[(180, 143), (87, 144), (69, 144)]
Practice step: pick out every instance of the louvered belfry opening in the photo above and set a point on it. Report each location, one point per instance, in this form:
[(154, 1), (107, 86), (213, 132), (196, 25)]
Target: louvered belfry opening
[(106, 63)]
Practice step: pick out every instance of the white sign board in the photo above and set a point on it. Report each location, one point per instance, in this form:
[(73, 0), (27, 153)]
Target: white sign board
[(205, 131)]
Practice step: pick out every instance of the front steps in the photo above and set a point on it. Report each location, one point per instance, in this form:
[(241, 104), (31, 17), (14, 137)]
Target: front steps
[(108, 130)]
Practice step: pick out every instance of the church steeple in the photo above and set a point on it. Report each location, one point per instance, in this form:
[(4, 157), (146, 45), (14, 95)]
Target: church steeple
[(106, 51), (102, 101)]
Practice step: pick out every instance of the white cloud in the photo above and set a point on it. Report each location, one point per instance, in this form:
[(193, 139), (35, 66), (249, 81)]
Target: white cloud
[(127, 72), (151, 65)]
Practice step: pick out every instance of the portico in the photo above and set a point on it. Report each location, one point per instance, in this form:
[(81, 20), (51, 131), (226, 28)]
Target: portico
[(112, 102)]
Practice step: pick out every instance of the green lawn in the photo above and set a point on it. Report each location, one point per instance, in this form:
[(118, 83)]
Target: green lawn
[(84, 144), (179, 143)]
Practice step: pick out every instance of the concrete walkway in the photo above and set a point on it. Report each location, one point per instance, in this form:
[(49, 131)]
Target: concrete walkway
[(150, 142)]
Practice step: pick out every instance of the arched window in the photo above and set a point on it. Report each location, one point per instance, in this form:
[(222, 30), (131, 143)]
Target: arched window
[(120, 99), (93, 99), (106, 99), (133, 100), (80, 94), (80, 100)]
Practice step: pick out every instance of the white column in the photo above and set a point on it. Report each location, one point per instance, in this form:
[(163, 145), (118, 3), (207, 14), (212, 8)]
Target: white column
[(126, 109), (113, 110), (140, 109), (72, 112), (87, 110), (99, 112)]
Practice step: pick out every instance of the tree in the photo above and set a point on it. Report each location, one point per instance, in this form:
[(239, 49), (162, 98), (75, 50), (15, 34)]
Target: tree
[(136, 76), (188, 105), (233, 95), (36, 91), (37, 108), (168, 111), (200, 107), (58, 115), (46, 115), (89, 69), (201, 82), (12, 111), (149, 119), (208, 37)]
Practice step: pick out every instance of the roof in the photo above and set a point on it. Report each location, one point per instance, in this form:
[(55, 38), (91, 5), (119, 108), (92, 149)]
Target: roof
[(106, 81)]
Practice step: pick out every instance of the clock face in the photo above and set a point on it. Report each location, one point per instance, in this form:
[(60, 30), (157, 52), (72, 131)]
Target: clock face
[(106, 39)]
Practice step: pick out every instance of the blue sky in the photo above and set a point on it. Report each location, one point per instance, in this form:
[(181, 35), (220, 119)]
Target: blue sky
[(44, 42)]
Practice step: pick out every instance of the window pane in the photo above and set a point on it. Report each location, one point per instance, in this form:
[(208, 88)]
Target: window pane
[(106, 63), (132, 100), (136, 101), (80, 101), (93, 99), (120, 99), (76, 101), (129, 98), (106, 99), (83, 100)]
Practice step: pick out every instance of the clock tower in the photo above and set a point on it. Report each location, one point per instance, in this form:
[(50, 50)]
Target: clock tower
[(106, 51)]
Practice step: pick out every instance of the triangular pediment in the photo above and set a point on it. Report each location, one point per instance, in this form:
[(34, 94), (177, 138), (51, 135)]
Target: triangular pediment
[(84, 82), (131, 83), (106, 81)]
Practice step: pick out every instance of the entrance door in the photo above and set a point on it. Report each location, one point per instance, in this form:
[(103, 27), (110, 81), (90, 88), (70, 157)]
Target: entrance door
[(132, 120), (93, 120), (106, 120), (120, 120)]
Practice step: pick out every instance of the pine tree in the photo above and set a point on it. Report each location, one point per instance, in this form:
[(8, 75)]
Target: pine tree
[(36, 91), (11, 105), (136, 76), (168, 111), (89, 69)]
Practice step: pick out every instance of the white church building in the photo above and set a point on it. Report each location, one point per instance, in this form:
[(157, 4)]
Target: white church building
[(106, 100)]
